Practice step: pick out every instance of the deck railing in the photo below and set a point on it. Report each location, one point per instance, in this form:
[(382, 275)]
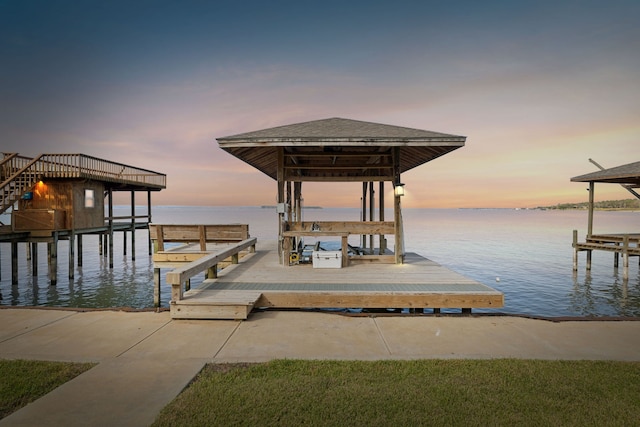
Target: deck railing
[(177, 277), (18, 173)]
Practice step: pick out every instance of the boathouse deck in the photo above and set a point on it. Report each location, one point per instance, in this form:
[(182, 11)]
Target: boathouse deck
[(258, 280)]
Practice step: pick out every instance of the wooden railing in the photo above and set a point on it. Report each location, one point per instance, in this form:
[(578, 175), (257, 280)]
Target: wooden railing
[(208, 263), (197, 233), (351, 227), (18, 174)]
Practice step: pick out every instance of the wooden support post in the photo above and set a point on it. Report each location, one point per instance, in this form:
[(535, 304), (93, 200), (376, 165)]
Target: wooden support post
[(79, 250), (72, 261), (345, 250), (110, 228), (372, 207), (575, 250), (297, 196), (397, 212), (625, 257), (187, 285), (616, 258), (53, 260), (0, 262), (159, 238), (34, 258), (212, 272), (589, 253), (591, 202), (283, 256), (149, 220), (28, 248), (14, 263), (203, 237), (156, 287), (363, 238), (235, 259), (383, 239), (100, 245), (124, 243), (133, 225), (289, 202)]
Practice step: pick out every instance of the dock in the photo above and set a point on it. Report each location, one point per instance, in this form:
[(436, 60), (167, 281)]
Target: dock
[(625, 244), (258, 280), (53, 197)]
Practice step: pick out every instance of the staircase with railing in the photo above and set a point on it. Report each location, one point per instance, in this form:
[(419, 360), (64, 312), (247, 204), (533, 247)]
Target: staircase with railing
[(18, 174)]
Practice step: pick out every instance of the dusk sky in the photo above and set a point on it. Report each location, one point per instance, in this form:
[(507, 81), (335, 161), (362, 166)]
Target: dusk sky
[(538, 88)]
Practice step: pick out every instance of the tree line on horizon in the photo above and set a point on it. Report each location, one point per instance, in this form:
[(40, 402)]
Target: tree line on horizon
[(624, 204)]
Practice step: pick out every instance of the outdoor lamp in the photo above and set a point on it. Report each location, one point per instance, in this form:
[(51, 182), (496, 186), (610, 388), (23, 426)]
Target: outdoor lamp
[(399, 189)]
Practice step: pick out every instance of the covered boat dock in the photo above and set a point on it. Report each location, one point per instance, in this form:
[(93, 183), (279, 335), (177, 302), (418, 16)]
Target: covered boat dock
[(625, 244), (376, 272)]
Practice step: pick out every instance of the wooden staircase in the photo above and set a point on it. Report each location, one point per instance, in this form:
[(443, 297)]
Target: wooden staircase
[(17, 177)]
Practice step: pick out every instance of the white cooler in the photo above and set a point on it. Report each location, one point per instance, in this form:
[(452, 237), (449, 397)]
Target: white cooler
[(327, 259)]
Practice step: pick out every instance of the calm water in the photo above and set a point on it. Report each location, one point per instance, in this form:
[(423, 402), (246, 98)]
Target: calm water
[(525, 254)]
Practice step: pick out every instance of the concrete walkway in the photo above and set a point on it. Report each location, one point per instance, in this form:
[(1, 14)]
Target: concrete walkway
[(146, 359)]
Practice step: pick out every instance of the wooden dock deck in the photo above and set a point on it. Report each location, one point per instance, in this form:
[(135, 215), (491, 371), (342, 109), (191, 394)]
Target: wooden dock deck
[(258, 280), (625, 244)]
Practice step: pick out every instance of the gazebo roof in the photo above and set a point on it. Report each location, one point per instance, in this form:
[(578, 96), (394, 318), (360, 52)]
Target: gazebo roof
[(628, 174), (339, 149)]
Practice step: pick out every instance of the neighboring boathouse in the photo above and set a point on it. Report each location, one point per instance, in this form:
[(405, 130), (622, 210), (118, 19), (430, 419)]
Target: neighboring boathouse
[(371, 274), (625, 244), (64, 196)]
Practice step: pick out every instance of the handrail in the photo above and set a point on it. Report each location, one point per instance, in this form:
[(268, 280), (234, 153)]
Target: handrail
[(180, 275), (83, 166), (20, 173)]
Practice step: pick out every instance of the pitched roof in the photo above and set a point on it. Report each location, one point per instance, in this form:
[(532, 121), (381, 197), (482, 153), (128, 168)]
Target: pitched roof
[(338, 130), (346, 142), (625, 174)]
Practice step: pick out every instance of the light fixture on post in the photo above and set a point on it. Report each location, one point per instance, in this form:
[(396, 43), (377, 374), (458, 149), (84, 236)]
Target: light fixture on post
[(398, 189)]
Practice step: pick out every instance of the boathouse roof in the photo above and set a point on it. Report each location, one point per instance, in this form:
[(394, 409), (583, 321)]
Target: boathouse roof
[(628, 174), (339, 149)]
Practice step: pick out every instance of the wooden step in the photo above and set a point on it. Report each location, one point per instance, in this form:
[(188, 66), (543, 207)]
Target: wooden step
[(215, 304)]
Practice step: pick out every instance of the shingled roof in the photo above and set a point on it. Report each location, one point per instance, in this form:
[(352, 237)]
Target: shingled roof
[(337, 148), (628, 174)]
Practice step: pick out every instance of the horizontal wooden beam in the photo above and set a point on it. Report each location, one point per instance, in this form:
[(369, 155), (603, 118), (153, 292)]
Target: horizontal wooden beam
[(380, 300), (340, 178), (351, 227)]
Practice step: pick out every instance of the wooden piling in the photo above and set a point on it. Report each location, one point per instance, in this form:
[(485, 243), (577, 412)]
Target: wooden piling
[(34, 258), (53, 259), (79, 250), (14, 263), (156, 287), (575, 250), (72, 261), (110, 228), (625, 256), (133, 226)]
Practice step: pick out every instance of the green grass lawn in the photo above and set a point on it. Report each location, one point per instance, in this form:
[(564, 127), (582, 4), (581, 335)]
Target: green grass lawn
[(23, 381), (403, 393)]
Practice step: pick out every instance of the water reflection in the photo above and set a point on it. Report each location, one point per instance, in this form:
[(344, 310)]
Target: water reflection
[(609, 297)]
